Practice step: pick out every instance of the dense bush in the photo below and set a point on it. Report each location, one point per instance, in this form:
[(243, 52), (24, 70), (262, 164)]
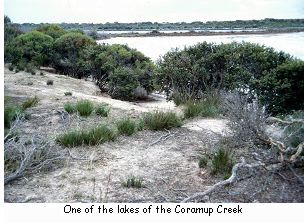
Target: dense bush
[(188, 73), (282, 89), (71, 55), (52, 30), (105, 59), (33, 47)]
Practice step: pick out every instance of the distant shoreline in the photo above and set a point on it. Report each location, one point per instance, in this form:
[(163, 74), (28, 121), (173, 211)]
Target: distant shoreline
[(194, 33)]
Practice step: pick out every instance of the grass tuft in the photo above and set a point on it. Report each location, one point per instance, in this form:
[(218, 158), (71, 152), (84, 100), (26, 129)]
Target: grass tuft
[(84, 107), (126, 126), (162, 120), (69, 107), (30, 102), (102, 110), (49, 82), (133, 181), (93, 136), (222, 162), (203, 161)]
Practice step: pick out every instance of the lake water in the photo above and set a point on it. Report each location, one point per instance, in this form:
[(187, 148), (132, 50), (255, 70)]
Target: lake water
[(154, 47)]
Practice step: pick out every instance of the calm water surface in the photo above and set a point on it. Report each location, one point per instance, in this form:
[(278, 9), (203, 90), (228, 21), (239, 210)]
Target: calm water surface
[(154, 47)]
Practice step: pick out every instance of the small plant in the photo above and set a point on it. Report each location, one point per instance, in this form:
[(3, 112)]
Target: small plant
[(126, 126), (69, 107), (222, 162), (179, 99), (102, 110), (41, 73), (17, 70), (91, 136), (84, 107), (10, 113), (11, 67), (203, 161), (30, 102), (162, 120), (68, 93), (49, 82), (133, 181)]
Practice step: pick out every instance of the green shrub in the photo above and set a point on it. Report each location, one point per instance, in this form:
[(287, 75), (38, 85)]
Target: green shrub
[(203, 161), (84, 107), (102, 110), (91, 136), (30, 102), (70, 107), (11, 67), (52, 30), (10, 113), (32, 47), (126, 126), (222, 162), (162, 120), (133, 181), (122, 83)]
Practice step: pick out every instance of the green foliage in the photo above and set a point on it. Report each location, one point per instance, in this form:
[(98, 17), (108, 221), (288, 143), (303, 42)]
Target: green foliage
[(122, 83), (10, 113), (207, 107), (70, 107), (126, 126), (33, 47), (30, 102), (222, 161), (71, 54), (162, 120), (11, 67), (93, 136), (248, 68), (203, 161), (282, 89), (53, 30), (84, 107), (68, 93), (133, 181), (102, 110)]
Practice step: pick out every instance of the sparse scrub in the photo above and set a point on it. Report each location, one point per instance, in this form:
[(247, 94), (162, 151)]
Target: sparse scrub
[(84, 107), (30, 102), (70, 107), (68, 93), (126, 126), (222, 161), (133, 181), (162, 120), (93, 136), (102, 110), (49, 82)]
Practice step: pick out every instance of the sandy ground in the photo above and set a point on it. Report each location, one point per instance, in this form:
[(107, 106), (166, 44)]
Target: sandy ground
[(168, 167)]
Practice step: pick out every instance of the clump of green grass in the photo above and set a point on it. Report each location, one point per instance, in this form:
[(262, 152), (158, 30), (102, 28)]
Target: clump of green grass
[(84, 107), (102, 110), (208, 107), (30, 102), (93, 136), (203, 161), (10, 113), (134, 182), (69, 107), (179, 99), (162, 120), (68, 93), (126, 126), (222, 162)]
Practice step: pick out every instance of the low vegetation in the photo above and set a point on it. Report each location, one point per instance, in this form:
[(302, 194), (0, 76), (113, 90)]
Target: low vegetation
[(84, 107), (162, 120), (30, 102), (222, 162), (70, 107), (49, 82), (134, 182), (102, 109), (126, 126), (92, 136)]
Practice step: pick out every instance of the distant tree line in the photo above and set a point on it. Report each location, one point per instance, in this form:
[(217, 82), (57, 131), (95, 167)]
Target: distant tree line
[(237, 24)]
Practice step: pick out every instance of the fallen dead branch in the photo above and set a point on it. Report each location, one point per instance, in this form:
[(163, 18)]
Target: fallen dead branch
[(220, 184), (162, 138)]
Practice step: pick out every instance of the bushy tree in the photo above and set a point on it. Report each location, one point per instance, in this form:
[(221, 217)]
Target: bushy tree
[(33, 47), (71, 55), (282, 89), (52, 30)]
